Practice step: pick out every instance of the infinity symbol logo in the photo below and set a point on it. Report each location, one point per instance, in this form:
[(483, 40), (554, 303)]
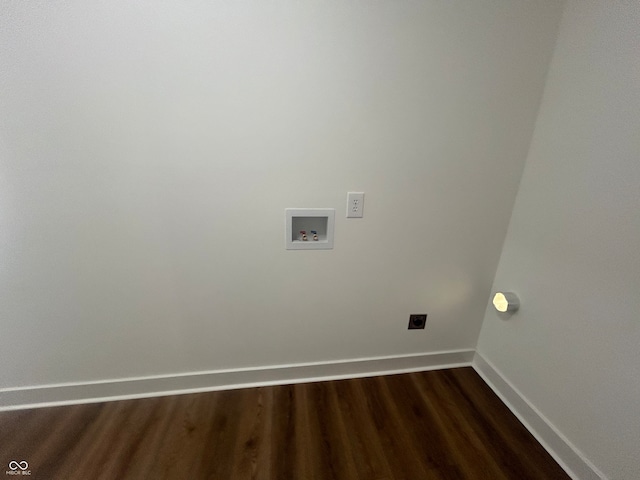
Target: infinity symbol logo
[(23, 465)]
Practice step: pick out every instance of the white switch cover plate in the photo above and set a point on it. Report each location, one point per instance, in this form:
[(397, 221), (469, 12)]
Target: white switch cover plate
[(355, 204)]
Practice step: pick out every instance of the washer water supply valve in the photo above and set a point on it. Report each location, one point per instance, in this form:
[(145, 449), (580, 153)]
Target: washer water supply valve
[(315, 235)]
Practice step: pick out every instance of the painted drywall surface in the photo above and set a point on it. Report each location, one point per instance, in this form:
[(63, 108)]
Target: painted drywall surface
[(571, 251), (149, 151)]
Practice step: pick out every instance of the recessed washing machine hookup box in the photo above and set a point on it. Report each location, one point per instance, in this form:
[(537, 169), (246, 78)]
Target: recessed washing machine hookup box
[(309, 228)]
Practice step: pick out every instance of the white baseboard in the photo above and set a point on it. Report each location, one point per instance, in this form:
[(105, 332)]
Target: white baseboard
[(130, 388), (574, 463), (567, 455)]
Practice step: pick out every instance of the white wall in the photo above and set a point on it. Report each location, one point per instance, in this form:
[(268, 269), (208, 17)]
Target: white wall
[(148, 151), (572, 249)]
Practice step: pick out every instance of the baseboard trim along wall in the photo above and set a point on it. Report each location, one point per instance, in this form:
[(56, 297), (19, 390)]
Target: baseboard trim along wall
[(130, 388), (564, 452)]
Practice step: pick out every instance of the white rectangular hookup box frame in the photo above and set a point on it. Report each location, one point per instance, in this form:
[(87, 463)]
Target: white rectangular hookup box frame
[(308, 220)]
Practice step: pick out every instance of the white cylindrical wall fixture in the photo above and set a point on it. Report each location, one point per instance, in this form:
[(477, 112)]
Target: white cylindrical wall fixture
[(506, 302)]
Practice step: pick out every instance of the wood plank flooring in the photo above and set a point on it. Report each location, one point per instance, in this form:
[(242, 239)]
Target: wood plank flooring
[(443, 424)]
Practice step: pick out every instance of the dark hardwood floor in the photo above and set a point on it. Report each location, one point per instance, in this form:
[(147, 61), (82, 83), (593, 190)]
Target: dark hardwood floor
[(443, 424)]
